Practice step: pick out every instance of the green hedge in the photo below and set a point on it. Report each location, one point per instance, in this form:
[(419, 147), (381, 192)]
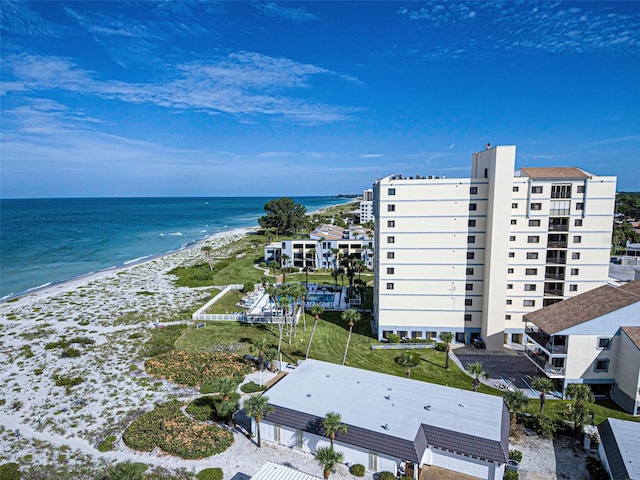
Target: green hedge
[(210, 474), (386, 476), (167, 428), (9, 471), (252, 387), (357, 470)]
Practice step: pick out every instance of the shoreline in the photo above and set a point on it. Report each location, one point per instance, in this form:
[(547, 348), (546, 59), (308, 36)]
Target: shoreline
[(75, 281)]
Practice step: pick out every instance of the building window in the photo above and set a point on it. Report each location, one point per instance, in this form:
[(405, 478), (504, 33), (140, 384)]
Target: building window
[(472, 207), (468, 286), (512, 238), (529, 287), (471, 223), (580, 189), (391, 255), (579, 206), (507, 317), (277, 432), (534, 223), (531, 271), (391, 223), (509, 270), (575, 256), (533, 239), (299, 439), (575, 271), (604, 343), (514, 205), (467, 317), (391, 239), (512, 254), (390, 286), (468, 302), (509, 286), (515, 189), (602, 365), (391, 270), (577, 239), (561, 191), (509, 302), (469, 271), (529, 303), (391, 191), (471, 255), (536, 189), (373, 461), (573, 288), (532, 255), (578, 222), (473, 190), (391, 208), (536, 206), (514, 221), (471, 239)]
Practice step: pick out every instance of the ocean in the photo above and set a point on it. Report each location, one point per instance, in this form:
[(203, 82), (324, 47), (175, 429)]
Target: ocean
[(45, 241)]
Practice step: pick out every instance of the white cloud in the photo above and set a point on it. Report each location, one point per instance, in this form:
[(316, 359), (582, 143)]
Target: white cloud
[(371, 155), (274, 10)]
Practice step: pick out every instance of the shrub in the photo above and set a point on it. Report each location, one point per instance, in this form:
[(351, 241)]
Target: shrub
[(393, 338), (544, 425), (67, 382), (263, 264), (70, 352), (515, 455), (357, 470), (127, 470), (16, 404), (596, 469), (252, 387), (9, 471), (248, 287), (510, 475), (107, 444), (386, 476), (210, 474), (167, 428), (408, 359), (441, 347)]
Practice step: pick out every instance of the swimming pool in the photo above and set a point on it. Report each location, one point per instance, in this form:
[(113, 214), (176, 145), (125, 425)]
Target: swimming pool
[(320, 297)]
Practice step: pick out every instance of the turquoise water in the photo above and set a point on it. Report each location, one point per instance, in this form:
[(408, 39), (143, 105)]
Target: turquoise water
[(317, 297), (45, 241)]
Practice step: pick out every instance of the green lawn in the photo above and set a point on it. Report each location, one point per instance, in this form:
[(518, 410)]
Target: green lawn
[(227, 303)]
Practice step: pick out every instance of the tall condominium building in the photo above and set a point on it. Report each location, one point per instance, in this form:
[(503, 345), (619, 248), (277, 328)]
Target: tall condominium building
[(366, 206), (471, 256)]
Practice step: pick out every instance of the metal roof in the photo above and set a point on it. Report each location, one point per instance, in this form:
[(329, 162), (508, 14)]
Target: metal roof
[(621, 442), (273, 471), (392, 410)]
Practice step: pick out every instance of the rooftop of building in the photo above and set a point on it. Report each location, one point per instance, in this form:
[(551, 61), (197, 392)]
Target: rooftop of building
[(621, 442), (274, 471), (396, 410), (585, 307), (554, 173), (633, 333)]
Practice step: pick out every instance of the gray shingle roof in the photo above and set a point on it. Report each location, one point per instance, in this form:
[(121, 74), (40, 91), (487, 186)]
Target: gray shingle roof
[(467, 444), (359, 437)]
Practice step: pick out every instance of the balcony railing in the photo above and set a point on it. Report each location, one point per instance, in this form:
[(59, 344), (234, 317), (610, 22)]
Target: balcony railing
[(552, 244), (558, 228), (553, 292), (556, 349), (554, 276), (556, 260), (540, 360)]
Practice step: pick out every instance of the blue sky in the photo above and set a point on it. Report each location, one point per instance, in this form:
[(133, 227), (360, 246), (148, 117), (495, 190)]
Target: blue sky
[(188, 98)]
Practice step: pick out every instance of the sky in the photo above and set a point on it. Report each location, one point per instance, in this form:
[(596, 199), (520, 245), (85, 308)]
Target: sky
[(241, 98)]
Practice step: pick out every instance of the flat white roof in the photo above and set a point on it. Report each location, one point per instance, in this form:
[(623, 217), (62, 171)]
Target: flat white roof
[(386, 404), (627, 436), (273, 471)]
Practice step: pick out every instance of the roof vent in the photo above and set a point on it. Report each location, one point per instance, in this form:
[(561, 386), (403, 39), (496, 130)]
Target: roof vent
[(461, 405), (390, 389), (309, 395), (328, 376), (386, 426), (427, 408), (388, 397)]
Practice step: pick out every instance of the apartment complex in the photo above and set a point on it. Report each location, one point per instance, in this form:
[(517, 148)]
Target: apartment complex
[(366, 206), (472, 256)]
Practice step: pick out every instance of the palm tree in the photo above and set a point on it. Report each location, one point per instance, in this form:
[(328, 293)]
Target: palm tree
[(335, 252), (331, 424), (271, 354), (328, 458), (515, 400), (283, 303), (580, 413), (335, 274), (227, 410), (207, 251), (285, 264), (226, 386), (271, 291), (352, 317), (476, 371), (313, 253), (127, 470), (316, 311), (543, 385), (261, 345), (447, 338), (257, 407)]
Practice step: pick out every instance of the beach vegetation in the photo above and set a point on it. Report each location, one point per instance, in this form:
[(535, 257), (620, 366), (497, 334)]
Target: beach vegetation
[(67, 381), (10, 471), (107, 444), (220, 385), (70, 352), (252, 387), (162, 340), (357, 470), (194, 369), (168, 429), (284, 216), (127, 470), (210, 474), (214, 407)]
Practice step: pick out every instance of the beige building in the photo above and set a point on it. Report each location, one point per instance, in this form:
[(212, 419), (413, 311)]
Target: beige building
[(366, 206), (592, 338), (473, 255)]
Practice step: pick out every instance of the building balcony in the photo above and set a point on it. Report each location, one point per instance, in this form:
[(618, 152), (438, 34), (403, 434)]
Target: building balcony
[(540, 359), (556, 260), (562, 244), (554, 276), (558, 228), (552, 292)]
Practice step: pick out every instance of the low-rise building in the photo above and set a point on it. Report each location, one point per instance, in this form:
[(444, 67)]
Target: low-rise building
[(619, 448), (393, 423), (592, 338)]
